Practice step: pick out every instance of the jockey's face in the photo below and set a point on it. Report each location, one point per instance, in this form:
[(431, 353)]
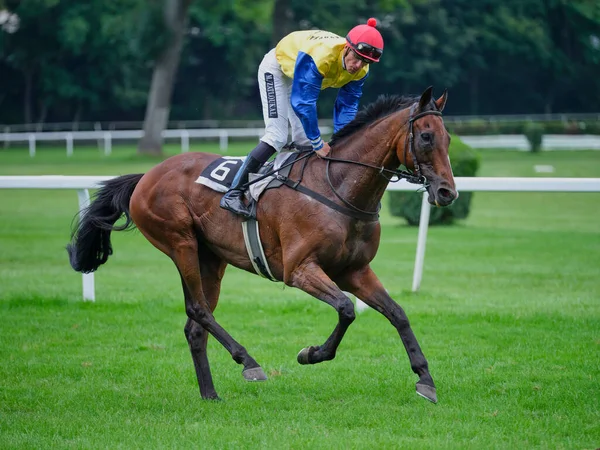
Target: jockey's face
[(353, 61)]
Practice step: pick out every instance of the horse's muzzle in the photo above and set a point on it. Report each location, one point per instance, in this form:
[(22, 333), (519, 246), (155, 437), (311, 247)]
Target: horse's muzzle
[(442, 196)]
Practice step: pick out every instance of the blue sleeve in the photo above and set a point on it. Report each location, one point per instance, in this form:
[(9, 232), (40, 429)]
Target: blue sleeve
[(346, 103), (306, 88)]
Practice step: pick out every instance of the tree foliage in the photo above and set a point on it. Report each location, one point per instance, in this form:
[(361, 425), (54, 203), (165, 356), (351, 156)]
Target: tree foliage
[(72, 60)]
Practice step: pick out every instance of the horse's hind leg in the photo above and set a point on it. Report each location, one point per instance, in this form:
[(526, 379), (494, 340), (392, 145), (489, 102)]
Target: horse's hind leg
[(197, 306), (365, 285), (312, 280), (211, 271)]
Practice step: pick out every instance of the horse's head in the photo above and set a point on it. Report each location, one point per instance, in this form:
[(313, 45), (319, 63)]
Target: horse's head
[(425, 148)]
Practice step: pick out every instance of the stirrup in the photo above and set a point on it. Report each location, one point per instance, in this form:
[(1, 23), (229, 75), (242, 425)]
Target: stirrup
[(236, 204), (238, 210)]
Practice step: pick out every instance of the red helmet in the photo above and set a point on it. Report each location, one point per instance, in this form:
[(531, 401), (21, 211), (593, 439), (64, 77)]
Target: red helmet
[(366, 40)]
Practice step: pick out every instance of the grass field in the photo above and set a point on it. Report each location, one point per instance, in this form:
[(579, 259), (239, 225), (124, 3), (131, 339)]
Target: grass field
[(508, 316)]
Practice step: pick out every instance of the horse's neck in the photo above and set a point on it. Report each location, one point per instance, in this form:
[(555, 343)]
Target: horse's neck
[(364, 186)]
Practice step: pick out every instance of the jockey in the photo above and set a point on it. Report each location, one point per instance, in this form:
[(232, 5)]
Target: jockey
[(290, 78)]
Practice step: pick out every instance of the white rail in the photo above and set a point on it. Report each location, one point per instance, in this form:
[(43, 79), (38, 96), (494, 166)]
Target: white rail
[(520, 142), (105, 138), (83, 183)]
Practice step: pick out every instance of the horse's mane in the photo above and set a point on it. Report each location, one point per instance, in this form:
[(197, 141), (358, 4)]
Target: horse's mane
[(383, 106)]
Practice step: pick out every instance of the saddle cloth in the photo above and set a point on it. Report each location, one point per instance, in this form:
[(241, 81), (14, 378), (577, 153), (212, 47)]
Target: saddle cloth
[(219, 174)]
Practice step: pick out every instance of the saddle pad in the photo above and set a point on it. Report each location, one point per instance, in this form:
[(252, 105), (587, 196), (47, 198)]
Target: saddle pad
[(219, 174)]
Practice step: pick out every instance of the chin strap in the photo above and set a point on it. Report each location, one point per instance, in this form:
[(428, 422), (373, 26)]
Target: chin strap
[(344, 58)]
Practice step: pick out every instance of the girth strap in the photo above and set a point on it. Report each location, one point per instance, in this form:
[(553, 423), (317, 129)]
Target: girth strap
[(255, 249), (367, 217)]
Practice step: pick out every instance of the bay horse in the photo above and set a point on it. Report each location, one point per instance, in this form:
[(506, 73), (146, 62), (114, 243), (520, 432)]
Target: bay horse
[(322, 246)]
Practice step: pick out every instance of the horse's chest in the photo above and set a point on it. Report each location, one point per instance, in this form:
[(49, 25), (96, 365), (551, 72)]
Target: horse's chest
[(359, 244)]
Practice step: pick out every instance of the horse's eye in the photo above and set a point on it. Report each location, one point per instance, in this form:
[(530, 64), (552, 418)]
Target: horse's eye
[(427, 137)]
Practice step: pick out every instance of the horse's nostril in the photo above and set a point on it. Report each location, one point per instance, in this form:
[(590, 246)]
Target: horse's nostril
[(445, 194)]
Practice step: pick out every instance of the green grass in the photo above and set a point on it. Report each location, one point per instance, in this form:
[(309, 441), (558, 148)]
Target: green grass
[(508, 316)]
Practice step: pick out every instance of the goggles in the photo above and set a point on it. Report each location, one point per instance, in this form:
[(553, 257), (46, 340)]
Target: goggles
[(366, 52), (360, 58)]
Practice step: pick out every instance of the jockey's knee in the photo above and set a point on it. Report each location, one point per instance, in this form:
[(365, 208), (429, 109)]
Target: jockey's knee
[(262, 152)]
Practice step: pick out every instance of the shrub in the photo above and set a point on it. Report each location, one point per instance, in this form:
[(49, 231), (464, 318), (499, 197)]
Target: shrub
[(510, 127), (480, 127), (465, 163), (534, 133)]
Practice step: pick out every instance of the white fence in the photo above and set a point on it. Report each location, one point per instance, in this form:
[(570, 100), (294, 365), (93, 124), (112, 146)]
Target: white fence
[(248, 123), (549, 142), (82, 183), (105, 138)]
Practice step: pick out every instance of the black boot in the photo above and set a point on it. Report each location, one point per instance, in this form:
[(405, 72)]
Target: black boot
[(233, 200)]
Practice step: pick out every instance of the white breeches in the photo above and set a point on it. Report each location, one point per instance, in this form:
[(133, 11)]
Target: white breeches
[(275, 90)]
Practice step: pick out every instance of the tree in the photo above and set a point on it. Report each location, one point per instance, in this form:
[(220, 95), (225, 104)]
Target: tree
[(159, 99), (283, 20), (226, 42), (572, 29), (70, 60), (68, 57)]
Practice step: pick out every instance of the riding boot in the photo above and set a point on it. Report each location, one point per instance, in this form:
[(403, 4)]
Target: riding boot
[(233, 200)]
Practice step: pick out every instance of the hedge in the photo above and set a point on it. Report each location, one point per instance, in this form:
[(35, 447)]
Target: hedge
[(478, 127)]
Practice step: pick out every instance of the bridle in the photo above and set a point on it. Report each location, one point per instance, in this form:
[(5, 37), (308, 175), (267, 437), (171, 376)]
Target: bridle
[(409, 143), (414, 177)]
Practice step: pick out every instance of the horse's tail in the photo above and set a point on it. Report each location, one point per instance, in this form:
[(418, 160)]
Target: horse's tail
[(90, 240)]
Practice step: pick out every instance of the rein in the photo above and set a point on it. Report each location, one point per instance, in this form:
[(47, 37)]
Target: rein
[(307, 153), (296, 185)]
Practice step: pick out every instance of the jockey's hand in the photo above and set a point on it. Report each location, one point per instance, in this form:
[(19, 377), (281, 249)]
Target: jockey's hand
[(324, 151)]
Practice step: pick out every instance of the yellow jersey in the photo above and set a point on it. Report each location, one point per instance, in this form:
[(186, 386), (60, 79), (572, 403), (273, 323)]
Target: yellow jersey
[(326, 50)]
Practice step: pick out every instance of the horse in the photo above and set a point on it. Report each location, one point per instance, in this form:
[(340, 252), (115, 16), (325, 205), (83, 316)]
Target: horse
[(320, 239)]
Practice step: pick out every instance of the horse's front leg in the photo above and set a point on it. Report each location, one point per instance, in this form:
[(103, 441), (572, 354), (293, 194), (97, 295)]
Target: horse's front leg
[(365, 285), (197, 337), (311, 279)]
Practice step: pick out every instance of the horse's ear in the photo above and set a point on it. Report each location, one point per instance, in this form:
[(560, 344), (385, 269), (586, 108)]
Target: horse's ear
[(440, 103), (425, 98)]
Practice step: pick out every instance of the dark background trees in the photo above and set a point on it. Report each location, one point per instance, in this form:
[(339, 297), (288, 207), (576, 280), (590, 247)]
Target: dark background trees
[(81, 61)]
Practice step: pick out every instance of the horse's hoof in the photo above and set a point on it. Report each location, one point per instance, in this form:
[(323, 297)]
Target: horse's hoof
[(254, 374), (303, 356), (427, 392), (214, 398)]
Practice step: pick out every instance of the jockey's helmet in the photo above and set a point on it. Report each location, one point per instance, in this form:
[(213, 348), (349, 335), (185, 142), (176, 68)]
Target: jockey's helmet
[(366, 40)]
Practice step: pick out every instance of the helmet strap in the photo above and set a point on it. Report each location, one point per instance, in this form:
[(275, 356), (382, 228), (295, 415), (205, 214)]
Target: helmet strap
[(344, 56)]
